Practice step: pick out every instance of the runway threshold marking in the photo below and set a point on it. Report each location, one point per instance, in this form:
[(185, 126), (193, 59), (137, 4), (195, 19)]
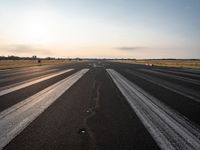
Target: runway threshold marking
[(12, 88), (184, 91), (179, 72), (169, 129), (16, 118), (185, 79), (9, 76)]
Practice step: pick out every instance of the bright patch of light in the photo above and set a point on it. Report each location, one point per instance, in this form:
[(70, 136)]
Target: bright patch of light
[(38, 27)]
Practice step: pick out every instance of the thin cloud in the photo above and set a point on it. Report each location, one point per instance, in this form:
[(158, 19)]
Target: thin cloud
[(129, 48), (20, 48), (24, 49)]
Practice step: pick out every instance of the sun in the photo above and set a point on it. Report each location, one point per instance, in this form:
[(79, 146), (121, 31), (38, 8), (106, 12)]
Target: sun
[(38, 27)]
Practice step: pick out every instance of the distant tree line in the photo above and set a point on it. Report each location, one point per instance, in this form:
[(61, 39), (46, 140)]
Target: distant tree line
[(12, 57), (15, 58)]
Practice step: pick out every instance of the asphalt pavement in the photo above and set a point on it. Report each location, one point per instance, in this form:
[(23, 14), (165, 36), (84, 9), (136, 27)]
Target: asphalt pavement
[(99, 105)]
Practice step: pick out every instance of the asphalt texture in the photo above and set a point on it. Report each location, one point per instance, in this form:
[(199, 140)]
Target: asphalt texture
[(93, 114), (182, 104)]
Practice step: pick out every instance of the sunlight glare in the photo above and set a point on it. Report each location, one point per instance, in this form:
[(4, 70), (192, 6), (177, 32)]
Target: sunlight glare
[(38, 27)]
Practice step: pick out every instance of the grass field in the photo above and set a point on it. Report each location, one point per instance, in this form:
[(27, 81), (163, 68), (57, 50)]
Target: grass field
[(8, 64), (178, 63)]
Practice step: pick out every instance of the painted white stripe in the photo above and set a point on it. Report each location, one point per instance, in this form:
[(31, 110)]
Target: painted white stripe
[(30, 82), (4, 70), (193, 71), (189, 93), (185, 79), (169, 129), (16, 118), (179, 72), (24, 73)]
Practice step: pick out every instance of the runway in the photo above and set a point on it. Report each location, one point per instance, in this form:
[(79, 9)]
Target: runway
[(100, 105)]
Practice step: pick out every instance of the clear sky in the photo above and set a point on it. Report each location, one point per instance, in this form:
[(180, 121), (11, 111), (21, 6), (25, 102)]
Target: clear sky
[(100, 28)]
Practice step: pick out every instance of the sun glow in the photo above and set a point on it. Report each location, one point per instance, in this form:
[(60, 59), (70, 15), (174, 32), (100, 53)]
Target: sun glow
[(38, 27)]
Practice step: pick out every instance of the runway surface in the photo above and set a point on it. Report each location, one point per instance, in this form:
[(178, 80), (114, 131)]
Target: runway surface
[(99, 105)]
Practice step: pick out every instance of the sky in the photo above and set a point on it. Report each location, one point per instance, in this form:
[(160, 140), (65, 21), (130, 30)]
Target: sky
[(100, 28)]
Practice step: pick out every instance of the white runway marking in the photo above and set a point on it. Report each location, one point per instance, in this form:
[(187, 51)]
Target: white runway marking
[(189, 93), (9, 89), (169, 129), (16, 75), (168, 75), (16, 118), (179, 72)]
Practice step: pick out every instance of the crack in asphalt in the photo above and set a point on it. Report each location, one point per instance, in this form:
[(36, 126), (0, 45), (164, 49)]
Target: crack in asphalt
[(91, 113)]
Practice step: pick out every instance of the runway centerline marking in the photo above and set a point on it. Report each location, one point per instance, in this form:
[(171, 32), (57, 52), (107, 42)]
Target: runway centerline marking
[(168, 128), (16, 118)]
